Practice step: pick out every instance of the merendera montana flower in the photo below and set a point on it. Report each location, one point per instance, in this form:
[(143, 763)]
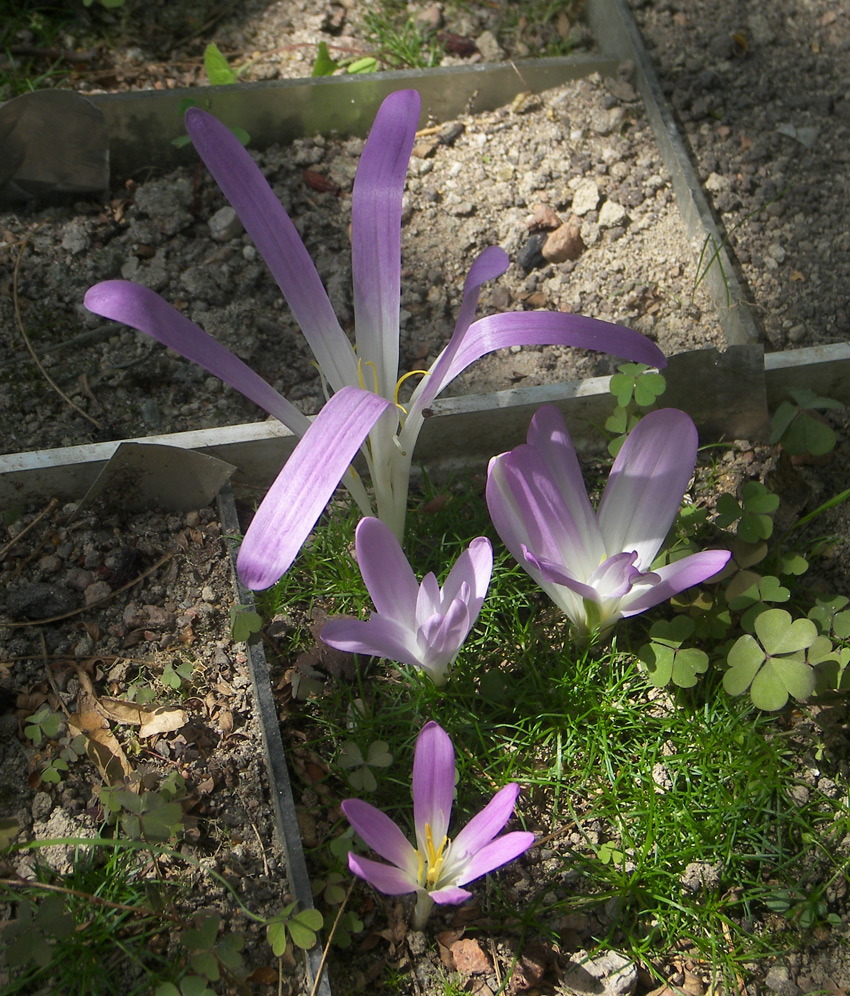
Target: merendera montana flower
[(437, 867), (372, 363), (421, 625), (597, 566)]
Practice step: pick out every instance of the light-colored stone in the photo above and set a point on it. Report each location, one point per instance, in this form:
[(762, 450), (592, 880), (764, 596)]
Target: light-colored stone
[(607, 974), (585, 198), (564, 243), (225, 224), (611, 214)]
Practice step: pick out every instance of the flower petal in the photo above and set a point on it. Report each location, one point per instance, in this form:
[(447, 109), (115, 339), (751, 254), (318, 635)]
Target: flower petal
[(450, 896), (550, 328), (484, 826), (376, 234), (386, 572), (381, 834), (647, 483), (675, 577), (379, 637), (556, 574), (495, 854), (548, 435), (473, 567), (442, 636), (304, 486), (143, 309), (385, 878), (280, 245), (433, 784)]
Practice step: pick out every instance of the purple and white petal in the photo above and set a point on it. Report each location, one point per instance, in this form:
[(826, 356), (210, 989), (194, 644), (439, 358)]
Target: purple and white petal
[(495, 854), (385, 878), (647, 482), (484, 826), (451, 895), (376, 235), (143, 309), (379, 637), (433, 784), (676, 577), (302, 489), (381, 834), (386, 571), (473, 567), (278, 241)]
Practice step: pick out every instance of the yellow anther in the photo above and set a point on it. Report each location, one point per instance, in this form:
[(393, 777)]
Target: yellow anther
[(435, 857)]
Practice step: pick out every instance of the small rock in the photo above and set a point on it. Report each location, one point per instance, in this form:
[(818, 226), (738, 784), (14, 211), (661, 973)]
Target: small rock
[(611, 214), (585, 197), (716, 184), (542, 216), (208, 595), (417, 942), (49, 564), (42, 805), (225, 224), (779, 980), (430, 19), (488, 46), (530, 256), (193, 519), (564, 243), (78, 578), (699, 875), (608, 974), (96, 591)]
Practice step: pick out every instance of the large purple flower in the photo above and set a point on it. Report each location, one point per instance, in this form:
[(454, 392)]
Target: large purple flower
[(437, 868), (422, 625), (372, 363), (597, 566)]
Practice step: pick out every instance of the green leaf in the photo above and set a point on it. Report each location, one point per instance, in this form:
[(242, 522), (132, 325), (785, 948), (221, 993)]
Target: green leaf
[(166, 989), (244, 623), (618, 421), (52, 918), (303, 927), (648, 387), (807, 398), (728, 510), (779, 635), (276, 935), (368, 64), (193, 985), (782, 419), (792, 564), (350, 755), (756, 498), (745, 659), (362, 780), (622, 387), (780, 677), (754, 527), (378, 755), (217, 67), (204, 935), (229, 948), (205, 963), (673, 632), (324, 64), (241, 135)]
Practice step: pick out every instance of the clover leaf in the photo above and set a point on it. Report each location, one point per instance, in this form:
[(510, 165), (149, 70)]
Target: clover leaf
[(666, 660), (772, 664), (361, 777)]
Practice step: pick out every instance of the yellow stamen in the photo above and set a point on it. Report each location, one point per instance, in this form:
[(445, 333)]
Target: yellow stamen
[(401, 380), (435, 858), (369, 363)]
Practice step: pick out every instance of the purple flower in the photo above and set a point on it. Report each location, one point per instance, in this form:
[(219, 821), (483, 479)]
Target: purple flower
[(422, 625), (372, 364), (597, 566), (437, 867)]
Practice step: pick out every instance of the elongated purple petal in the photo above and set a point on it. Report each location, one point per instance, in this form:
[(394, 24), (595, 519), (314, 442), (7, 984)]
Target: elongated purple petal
[(385, 878), (556, 573), (473, 567), (675, 577), (386, 571), (429, 600), (548, 434), (433, 784), (495, 854), (484, 826), (381, 834), (304, 486), (276, 237), (488, 265), (647, 482), (379, 637), (550, 328), (376, 234), (444, 634), (143, 309)]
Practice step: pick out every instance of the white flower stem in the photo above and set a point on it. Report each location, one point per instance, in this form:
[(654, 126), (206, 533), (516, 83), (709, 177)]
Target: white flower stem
[(424, 905)]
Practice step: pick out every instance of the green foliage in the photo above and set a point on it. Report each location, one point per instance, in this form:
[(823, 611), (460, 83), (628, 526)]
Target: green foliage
[(752, 514), (402, 46), (219, 73), (635, 387), (797, 430), (326, 66), (108, 4), (772, 663), (360, 776), (44, 724), (175, 674), (152, 815), (208, 954), (244, 623), (666, 660), (301, 928)]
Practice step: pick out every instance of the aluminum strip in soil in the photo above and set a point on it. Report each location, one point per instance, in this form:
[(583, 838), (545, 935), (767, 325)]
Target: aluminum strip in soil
[(288, 830)]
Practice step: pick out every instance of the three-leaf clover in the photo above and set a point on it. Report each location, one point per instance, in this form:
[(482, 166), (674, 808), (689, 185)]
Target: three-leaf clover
[(666, 660), (361, 777), (301, 928), (754, 512), (797, 430), (772, 663)]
